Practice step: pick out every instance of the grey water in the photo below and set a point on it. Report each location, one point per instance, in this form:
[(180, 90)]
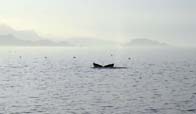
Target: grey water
[(61, 81)]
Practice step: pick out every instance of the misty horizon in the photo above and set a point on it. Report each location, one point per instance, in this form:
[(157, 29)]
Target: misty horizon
[(12, 37)]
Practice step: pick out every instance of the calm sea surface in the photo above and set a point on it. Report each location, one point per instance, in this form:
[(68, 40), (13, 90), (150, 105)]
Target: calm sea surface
[(50, 81)]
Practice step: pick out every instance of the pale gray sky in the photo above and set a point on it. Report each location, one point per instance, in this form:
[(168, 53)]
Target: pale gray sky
[(172, 21)]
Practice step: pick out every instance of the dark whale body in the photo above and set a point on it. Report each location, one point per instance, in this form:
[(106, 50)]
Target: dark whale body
[(109, 66)]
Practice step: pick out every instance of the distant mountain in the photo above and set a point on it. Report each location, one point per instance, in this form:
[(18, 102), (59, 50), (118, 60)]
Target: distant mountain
[(10, 40), (145, 43), (11, 37), (28, 35), (83, 42)]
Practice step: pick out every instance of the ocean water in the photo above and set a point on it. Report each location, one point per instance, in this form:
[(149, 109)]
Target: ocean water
[(51, 81)]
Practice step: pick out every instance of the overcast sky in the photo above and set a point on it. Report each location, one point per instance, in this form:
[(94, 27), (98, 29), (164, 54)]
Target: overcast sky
[(171, 21)]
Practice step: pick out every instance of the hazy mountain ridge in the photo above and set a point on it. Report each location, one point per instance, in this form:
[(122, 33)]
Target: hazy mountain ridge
[(90, 42), (142, 42), (10, 40), (28, 35), (11, 37)]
